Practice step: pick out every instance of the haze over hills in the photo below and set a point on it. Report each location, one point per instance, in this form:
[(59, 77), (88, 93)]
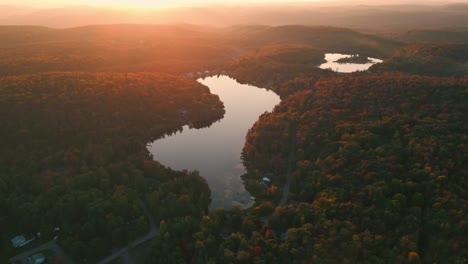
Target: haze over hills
[(362, 161), (372, 18)]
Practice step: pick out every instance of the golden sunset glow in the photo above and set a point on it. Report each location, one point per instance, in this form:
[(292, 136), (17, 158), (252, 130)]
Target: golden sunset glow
[(139, 3), (174, 3), (151, 3), (190, 3), (233, 131)]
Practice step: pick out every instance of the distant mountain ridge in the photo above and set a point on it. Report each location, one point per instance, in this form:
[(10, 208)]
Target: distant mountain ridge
[(364, 17)]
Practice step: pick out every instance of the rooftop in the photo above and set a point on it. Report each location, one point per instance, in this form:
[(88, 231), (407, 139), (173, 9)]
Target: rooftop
[(37, 258)]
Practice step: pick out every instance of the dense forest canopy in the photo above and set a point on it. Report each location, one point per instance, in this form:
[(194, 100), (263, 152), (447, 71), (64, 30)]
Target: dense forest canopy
[(75, 109), (74, 154), (374, 180), (377, 179), (111, 48), (442, 35), (428, 59), (173, 49), (376, 160)]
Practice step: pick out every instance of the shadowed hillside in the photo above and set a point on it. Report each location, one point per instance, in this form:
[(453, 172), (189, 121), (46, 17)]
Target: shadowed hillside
[(74, 153), (363, 167), (428, 59), (175, 49), (440, 35)]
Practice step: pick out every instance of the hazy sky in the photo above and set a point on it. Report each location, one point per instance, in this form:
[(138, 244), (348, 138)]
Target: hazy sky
[(169, 3), (139, 3)]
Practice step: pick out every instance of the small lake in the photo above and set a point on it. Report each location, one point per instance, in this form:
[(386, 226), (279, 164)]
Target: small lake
[(215, 151), (332, 63)]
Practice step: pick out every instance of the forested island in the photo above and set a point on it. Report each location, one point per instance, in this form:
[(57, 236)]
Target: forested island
[(374, 163), (354, 59)]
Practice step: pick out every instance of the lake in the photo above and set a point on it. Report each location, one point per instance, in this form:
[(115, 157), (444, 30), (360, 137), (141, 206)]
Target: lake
[(215, 151), (332, 63)]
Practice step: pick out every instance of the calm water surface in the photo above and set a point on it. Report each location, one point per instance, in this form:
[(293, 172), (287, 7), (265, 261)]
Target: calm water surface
[(331, 63), (215, 151)]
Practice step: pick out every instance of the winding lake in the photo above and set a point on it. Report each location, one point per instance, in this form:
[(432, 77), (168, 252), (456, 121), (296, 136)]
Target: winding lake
[(215, 151), (332, 63)]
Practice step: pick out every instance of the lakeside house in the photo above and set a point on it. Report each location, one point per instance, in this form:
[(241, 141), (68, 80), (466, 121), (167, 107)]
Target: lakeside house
[(38, 258), (20, 241)]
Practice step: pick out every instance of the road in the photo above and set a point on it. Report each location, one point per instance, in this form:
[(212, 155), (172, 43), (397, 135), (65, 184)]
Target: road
[(51, 245), (288, 176), (291, 163), (153, 232), (154, 229)]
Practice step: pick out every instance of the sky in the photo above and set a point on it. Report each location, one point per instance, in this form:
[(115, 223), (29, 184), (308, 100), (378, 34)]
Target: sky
[(140, 3), (175, 3)]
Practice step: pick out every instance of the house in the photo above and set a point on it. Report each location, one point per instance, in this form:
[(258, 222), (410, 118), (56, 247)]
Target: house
[(38, 258), (266, 180), (19, 241)]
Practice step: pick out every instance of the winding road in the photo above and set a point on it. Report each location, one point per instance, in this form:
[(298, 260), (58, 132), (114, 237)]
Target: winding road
[(154, 229), (291, 162), (288, 176)]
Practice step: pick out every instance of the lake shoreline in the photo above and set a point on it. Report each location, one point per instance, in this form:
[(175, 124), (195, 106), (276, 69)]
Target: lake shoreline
[(215, 151)]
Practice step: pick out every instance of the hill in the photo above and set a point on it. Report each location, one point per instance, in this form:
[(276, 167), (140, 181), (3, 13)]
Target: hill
[(374, 17), (74, 155), (279, 54), (177, 49), (428, 59), (325, 38), (122, 48), (378, 177), (437, 35), (375, 159), (379, 173)]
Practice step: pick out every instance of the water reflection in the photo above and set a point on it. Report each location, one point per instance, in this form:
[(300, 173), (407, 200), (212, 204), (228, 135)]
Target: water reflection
[(332, 63), (215, 151)]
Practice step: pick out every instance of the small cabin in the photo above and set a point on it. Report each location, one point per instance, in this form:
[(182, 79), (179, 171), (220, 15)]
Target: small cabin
[(19, 241), (266, 181), (38, 258)]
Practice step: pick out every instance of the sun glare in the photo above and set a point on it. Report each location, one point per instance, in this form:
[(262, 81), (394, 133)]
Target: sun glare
[(178, 3), (139, 3), (147, 3)]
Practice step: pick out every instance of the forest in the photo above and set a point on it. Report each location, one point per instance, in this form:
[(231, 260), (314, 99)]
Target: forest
[(379, 174), (379, 157), (74, 155), (375, 180), (428, 59)]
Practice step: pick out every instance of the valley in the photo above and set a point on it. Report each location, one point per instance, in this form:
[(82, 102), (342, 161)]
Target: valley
[(183, 143)]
